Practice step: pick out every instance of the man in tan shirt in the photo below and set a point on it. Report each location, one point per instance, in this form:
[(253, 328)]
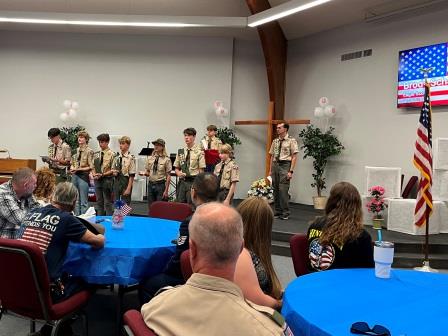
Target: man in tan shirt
[(59, 155), (210, 303), (103, 177), (283, 152), (123, 170), (189, 162)]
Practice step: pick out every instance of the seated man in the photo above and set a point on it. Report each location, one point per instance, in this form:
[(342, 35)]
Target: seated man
[(52, 228), (210, 302), (203, 190), (16, 199)]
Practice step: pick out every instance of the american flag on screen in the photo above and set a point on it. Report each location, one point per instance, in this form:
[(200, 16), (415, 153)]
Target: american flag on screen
[(423, 161), (410, 78)]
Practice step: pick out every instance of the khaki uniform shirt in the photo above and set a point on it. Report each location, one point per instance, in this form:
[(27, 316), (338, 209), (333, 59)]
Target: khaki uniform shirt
[(108, 157), (61, 151), (215, 144), (83, 158), (127, 164), (164, 167), (289, 147), (197, 160), (230, 173), (208, 305)]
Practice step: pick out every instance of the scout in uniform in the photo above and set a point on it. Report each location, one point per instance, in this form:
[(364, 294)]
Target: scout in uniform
[(123, 170), (59, 155), (103, 176), (210, 144), (189, 163), (81, 165), (158, 169), (283, 152), (228, 174)]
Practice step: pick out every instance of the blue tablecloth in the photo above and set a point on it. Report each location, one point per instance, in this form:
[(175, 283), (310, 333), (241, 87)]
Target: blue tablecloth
[(142, 248), (410, 303)]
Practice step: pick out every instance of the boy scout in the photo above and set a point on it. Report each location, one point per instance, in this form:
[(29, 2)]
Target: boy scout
[(123, 170), (59, 155), (210, 144), (102, 176), (228, 174), (158, 169), (81, 165), (283, 152), (189, 163)]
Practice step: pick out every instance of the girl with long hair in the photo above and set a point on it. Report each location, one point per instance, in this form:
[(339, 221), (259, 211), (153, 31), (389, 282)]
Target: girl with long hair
[(254, 272), (338, 239), (46, 182)]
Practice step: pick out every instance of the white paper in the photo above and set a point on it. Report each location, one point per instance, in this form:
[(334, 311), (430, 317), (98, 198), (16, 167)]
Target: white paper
[(440, 185), (441, 154), (387, 177)]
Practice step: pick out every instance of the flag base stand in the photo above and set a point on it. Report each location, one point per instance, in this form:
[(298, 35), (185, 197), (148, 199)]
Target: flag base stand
[(426, 268)]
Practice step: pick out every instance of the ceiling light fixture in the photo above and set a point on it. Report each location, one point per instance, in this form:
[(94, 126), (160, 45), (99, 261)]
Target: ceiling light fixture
[(280, 11)]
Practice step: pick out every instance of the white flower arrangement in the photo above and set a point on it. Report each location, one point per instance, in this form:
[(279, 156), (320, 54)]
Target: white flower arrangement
[(261, 188)]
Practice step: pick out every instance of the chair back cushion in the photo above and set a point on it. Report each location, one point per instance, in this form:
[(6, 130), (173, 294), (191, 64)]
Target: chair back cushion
[(185, 265), (24, 282), (134, 320), (299, 253), (170, 210)]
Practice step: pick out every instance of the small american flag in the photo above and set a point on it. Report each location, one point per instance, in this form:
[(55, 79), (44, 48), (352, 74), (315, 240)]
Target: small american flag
[(423, 161), (125, 209)]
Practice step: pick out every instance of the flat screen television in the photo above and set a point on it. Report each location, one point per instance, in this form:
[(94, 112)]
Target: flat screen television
[(411, 79)]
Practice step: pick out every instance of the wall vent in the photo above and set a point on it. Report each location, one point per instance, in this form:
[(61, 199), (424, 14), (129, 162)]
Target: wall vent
[(356, 54)]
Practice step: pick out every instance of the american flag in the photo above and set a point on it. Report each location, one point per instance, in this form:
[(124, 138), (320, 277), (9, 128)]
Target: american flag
[(410, 78), (321, 257), (423, 161), (125, 209)]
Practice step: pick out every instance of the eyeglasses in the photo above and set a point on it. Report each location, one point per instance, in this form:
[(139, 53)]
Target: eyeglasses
[(362, 328)]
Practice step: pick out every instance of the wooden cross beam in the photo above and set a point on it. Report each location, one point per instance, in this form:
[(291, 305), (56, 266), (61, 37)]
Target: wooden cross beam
[(270, 134)]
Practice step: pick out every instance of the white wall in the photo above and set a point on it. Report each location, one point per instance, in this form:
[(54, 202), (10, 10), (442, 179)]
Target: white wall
[(142, 86), (370, 126)]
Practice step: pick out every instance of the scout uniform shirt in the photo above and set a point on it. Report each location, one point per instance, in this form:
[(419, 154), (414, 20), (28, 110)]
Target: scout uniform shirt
[(196, 160), (124, 163), (158, 167), (227, 173), (60, 151), (232, 314), (211, 143), (282, 150), (103, 161), (83, 158)]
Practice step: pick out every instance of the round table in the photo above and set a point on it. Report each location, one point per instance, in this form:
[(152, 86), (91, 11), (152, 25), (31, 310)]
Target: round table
[(142, 248), (410, 303)]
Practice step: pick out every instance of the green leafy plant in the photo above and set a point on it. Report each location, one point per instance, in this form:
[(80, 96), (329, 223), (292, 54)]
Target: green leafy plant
[(70, 136), (319, 146), (228, 136)]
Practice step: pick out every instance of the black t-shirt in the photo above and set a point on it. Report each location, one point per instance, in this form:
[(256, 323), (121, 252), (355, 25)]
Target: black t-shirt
[(173, 267), (353, 254), (52, 229)]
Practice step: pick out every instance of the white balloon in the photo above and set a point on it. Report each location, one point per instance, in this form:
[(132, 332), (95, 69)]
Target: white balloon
[(75, 105), (324, 101), (318, 112), (222, 112), (72, 113), (67, 103), (218, 104), (329, 111), (63, 116)]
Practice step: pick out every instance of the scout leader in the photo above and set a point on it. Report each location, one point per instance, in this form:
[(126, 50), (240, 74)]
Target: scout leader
[(123, 170), (158, 169), (189, 163)]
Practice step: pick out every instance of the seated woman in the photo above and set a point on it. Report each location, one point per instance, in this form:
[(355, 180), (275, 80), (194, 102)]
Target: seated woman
[(254, 272), (46, 181), (338, 240)]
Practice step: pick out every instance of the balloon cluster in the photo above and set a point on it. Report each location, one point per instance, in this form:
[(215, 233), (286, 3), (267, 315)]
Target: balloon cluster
[(71, 108), (220, 110), (324, 110)]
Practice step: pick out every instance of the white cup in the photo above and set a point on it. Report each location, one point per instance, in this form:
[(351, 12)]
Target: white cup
[(383, 254)]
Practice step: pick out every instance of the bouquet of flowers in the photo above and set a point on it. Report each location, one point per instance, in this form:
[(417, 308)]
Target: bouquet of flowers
[(377, 204), (261, 188)]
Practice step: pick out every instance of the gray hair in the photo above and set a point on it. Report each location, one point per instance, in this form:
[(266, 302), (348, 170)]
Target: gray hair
[(22, 175), (65, 194), (217, 230)]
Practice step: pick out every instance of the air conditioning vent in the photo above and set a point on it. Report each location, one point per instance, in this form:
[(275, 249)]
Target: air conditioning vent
[(356, 54)]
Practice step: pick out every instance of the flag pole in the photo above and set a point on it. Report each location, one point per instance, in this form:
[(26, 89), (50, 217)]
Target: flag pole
[(426, 267)]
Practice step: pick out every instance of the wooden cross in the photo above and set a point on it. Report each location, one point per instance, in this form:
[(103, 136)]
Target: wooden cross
[(271, 122)]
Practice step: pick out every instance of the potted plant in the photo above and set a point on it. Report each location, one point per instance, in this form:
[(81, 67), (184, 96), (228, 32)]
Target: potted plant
[(70, 136), (376, 206), (228, 136), (320, 146), (261, 188)]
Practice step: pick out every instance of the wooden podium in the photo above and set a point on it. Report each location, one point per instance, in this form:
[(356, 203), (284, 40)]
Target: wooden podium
[(9, 166)]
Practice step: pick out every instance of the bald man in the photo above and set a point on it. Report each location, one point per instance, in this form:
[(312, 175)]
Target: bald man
[(210, 301)]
